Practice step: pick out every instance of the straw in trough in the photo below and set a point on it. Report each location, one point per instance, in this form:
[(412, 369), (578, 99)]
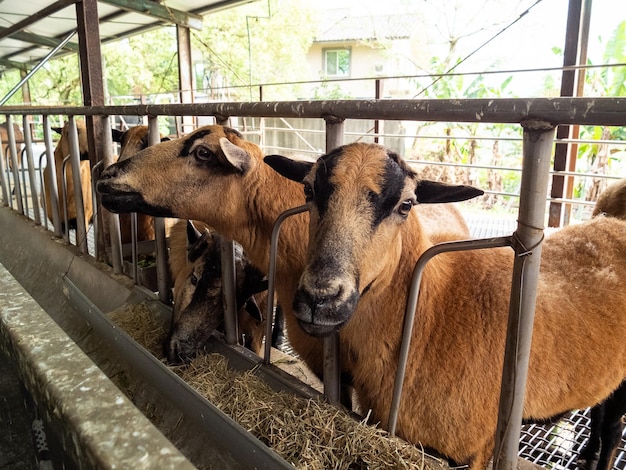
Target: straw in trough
[(309, 433)]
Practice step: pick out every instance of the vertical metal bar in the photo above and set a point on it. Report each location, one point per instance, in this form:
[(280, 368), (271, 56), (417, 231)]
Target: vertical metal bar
[(6, 193), (163, 272), (133, 246), (332, 359), (81, 229), (185, 74), (537, 149), (570, 53), (28, 145), (42, 185), (95, 174), (17, 186), (53, 190), (229, 298), (271, 276)]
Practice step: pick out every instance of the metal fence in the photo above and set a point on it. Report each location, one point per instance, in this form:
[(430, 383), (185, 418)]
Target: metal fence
[(537, 117)]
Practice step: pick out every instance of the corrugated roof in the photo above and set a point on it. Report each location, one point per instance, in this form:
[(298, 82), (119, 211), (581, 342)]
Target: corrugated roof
[(30, 29), (340, 26)]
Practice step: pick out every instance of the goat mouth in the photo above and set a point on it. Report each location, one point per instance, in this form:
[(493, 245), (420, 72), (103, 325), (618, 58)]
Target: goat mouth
[(122, 202), (317, 330)]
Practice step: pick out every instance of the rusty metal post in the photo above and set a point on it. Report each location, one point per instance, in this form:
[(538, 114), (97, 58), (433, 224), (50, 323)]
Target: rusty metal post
[(332, 359), (163, 272), (17, 186), (538, 142)]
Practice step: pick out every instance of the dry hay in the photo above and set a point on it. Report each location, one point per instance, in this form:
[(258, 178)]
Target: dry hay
[(309, 433)]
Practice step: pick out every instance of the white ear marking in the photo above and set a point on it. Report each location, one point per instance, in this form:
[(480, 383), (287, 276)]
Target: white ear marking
[(237, 156)]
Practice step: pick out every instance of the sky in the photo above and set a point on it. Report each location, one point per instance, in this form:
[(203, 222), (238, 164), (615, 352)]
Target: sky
[(527, 44)]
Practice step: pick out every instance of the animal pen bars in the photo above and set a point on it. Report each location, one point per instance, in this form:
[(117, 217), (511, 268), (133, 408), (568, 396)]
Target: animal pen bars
[(538, 118)]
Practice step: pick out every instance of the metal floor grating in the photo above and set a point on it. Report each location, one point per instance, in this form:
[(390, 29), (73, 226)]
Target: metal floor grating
[(557, 446)]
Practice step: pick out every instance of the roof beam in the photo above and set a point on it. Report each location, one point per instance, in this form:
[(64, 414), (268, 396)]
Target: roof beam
[(159, 11), (11, 64), (39, 40), (43, 13)]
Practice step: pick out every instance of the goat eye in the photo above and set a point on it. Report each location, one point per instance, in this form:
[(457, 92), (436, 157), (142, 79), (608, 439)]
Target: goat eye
[(194, 280), (405, 207), (308, 192), (203, 153)]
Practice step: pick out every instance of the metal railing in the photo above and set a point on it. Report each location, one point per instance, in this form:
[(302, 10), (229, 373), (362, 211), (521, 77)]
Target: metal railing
[(538, 117)]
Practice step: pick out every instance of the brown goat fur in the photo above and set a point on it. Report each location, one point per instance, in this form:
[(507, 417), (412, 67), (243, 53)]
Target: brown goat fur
[(451, 392), (216, 176), (612, 200), (61, 151)]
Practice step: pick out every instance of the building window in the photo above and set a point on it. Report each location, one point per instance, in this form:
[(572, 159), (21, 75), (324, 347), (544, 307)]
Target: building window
[(337, 62)]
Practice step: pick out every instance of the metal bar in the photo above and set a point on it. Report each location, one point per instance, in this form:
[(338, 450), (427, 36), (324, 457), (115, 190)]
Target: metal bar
[(133, 246), (409, 314), (35, 17), (42, 185), (53, 190), (17, 186), (163, 271), (161, 12), (330, 343), (564, 110), (65, 228), (81, 228), (36, 67), (229, 297), (28, 146), (271, 276), (4, 181), (537, 151), (95, 173)]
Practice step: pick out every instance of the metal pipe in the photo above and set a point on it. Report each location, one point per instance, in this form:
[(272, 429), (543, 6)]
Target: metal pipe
[(53, 190), (537, 151), (28, 147), (66, 229), (81, 229), (42, 185), (271, 276), (330, 343), (411, 306), (6, 193), (564, 110), (95, 173), (229, 297), (37, 67), (17, 186), (163, 271), (133, 246)]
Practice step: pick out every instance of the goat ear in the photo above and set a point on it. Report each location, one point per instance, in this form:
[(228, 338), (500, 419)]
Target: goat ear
[(237, 156), (116, 134), (432, 192), (290, 169), (193, 234)]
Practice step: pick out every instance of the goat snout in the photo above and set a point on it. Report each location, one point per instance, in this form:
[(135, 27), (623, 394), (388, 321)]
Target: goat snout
[(322, 312)]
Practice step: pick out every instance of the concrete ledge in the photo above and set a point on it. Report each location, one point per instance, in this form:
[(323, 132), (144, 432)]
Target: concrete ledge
[(98, 425)]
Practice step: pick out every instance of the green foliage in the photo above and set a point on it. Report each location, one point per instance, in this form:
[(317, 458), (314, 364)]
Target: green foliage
[(262, 42)]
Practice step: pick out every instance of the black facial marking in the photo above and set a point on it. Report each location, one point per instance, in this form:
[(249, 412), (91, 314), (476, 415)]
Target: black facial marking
[(210, 277), (192, 140), (322, 188), (391, 190)]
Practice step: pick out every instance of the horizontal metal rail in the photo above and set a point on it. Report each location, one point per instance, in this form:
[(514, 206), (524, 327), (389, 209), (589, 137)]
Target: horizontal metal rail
[(582, 111)]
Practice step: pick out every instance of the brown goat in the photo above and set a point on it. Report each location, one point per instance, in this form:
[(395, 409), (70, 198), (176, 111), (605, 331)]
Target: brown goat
[(364, 243), (612, 200), (216, 176), (19, 143), (61, 151), (195, 265)]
